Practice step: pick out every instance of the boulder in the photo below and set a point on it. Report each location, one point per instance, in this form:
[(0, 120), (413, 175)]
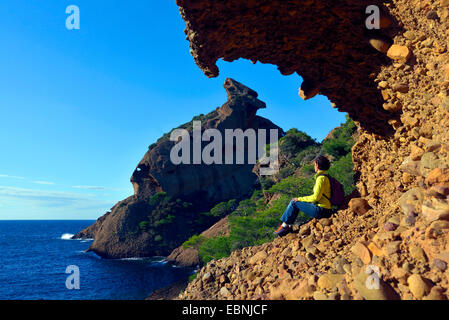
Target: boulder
[(375, 250), (129, 230), (411, 167), (330, 281), (399, 53), (416, 153), (362, 252), (435, 209), (258, 257), (410, 202), (429, 160), (418, 286), (371, 287), (417, 253), (438, 176)]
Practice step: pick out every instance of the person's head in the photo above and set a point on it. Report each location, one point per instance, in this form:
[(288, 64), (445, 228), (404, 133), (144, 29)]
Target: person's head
[(322, 163)]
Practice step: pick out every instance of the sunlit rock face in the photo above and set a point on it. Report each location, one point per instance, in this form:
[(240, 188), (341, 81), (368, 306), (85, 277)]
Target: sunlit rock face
[(394, 82)]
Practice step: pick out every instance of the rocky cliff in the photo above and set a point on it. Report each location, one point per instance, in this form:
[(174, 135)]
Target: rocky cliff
[(169, 200), (394, 82)]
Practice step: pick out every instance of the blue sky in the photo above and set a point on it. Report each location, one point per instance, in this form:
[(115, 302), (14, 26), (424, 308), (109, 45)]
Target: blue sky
[(78, 108)]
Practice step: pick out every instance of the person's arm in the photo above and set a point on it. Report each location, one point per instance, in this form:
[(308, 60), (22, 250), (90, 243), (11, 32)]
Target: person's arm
[(318, 190)]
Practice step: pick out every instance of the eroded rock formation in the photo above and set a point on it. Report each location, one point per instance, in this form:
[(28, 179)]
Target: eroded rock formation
[(133, 229), (156, 172), (394, 82), (325, 42)]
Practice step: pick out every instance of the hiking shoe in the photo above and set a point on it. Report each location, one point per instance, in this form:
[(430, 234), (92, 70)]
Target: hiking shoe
[(282, 231)]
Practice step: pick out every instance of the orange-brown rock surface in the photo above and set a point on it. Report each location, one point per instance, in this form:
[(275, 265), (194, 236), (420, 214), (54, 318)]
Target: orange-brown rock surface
[(394, 82)]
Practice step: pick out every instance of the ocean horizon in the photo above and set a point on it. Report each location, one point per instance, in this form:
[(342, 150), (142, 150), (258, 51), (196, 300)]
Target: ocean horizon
[(36, 254)]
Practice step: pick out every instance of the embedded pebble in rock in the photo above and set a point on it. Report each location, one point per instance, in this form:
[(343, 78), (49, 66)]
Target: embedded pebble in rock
[(410, 35), (400, 103), (418, 286), (362, 252), (399, 53), (380, 45), (389, 226), (411, 220), (436, 293), (435, 209), (400, 87), (440, 265), (372, 291), (359, 206), (417, 253), (433, 15), (224, 292), (329, 281), (319, 296)]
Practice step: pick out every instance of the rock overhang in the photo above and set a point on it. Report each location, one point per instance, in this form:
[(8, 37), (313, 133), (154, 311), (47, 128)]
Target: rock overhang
[(325, 42)]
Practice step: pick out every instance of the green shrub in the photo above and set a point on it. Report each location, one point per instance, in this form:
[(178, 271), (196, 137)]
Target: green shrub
[(293, 142), (286, 172), (144, 226), (293, 186), (159, 198), (194, 242), (167, 220), (341, 141), (306, 156), (245, 208), (308, 170), (224, 208), (257, 195), (193, 276), (343, 171), (214, 248), (266, 182)]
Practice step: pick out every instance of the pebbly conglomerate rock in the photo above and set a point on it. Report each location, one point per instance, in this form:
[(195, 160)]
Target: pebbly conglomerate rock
[(394, 82)]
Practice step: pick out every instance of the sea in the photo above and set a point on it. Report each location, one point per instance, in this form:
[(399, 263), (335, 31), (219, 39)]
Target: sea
[(39, 261)]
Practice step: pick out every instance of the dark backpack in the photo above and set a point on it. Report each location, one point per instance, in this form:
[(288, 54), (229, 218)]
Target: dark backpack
[(337, 191)]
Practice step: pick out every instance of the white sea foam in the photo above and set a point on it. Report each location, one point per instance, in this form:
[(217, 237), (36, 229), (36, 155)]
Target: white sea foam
[(67, 236), (131, 259)]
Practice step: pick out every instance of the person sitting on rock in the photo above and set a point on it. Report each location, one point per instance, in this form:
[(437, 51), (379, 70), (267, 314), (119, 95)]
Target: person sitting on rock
[(317, 205)]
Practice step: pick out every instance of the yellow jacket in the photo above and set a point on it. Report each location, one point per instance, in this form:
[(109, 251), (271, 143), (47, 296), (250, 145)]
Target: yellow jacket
[(322, 186)]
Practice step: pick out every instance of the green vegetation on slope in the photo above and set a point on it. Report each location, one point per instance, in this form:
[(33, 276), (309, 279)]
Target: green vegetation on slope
[(253, 220), (188, 126), (171, 221)]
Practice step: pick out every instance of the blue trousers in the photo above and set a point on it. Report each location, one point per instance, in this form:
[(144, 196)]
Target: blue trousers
[(310, 209)]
